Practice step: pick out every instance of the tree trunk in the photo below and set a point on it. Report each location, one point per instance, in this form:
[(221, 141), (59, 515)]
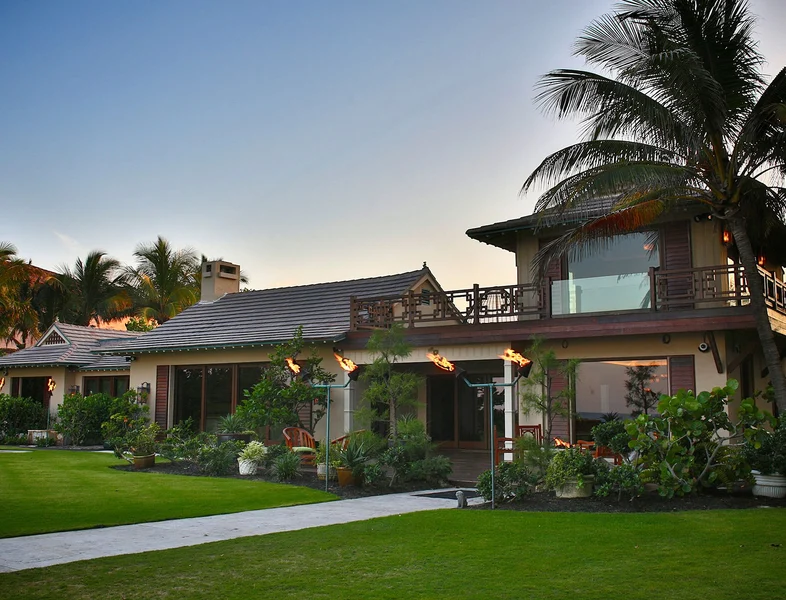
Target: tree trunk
[(763, 327)]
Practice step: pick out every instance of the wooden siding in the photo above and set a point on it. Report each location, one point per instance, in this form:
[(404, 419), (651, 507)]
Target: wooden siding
[(682, 373), (162, 395), (675, 255), (560, 425)]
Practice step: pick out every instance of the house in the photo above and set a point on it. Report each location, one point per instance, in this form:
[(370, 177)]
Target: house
[(672, 299), (62, 362)]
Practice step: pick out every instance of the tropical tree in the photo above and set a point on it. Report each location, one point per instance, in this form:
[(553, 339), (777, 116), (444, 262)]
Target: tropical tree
[(164, 280), (682, 116), (19, 281), (96, 290)]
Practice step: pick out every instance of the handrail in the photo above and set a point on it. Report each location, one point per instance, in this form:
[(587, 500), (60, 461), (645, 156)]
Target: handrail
[(676, 289)]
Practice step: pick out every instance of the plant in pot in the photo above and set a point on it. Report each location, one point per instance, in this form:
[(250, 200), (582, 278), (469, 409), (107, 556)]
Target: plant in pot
[(319, 459), (766, 454), (352, 462), (250, 456), (133, 440), (233, 427), (571, 473)]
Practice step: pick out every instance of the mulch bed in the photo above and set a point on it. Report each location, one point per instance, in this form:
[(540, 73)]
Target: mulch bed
[(648, 502), (536, 502)]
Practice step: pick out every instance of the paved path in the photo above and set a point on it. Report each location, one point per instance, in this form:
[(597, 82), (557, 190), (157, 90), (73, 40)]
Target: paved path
[(29, 552)]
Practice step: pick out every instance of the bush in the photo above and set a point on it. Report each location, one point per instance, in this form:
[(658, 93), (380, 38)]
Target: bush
[(434, 470), (80, 418), (273, 453), (17, 415), (410, 455), (286, 466), (612, 435), (768, 454), (512, 482), (18, 439), (45, 441), (534, 456), (183, 443), (571, 463), (372, 474), (624, 479), (218, 459)]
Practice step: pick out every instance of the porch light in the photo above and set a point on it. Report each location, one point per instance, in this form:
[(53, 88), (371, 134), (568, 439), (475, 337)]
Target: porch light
[(726, 237), (144, 388), (761, 259), (74, 389)]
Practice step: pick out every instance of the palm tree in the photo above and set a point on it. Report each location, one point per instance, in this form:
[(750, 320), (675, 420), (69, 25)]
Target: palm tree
[(164, 280), (684, 116), (18, 282), (95, 290)]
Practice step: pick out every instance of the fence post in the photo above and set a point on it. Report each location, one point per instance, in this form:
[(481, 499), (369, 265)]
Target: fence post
[(476, 303), (653, 290)]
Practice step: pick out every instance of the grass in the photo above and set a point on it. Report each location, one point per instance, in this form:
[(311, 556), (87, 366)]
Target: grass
[(454, 554), (58, 490)]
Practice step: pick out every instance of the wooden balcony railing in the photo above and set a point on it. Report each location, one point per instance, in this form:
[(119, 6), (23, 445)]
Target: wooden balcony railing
[(683, 289)]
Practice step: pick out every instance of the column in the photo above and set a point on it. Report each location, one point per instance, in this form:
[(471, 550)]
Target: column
[(349, 393)]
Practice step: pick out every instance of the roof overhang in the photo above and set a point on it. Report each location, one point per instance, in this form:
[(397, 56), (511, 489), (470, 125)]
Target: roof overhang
[(204, 347)]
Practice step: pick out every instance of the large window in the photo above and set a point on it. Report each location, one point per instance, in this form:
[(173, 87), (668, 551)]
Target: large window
[(206, 393), (614, 278), (623, 387), (112, 385)]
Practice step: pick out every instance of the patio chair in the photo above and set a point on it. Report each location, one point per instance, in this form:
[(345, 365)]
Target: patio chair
[(301, 442), (535, 431), (502, 446), (344, 439), (604, 452)]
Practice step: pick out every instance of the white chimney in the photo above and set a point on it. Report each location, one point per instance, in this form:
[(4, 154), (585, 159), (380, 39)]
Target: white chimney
[(218, 278)]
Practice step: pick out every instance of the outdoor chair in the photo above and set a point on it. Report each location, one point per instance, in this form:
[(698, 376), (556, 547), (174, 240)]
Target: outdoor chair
[(301, 442), (344, 439), (502, 446), (535, 431), (604, 452)]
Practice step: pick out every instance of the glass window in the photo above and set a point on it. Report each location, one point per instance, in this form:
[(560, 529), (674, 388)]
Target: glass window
[(624, 387), (218, 395), (188, 394), (615, 278), (247, 377), (114, 386)]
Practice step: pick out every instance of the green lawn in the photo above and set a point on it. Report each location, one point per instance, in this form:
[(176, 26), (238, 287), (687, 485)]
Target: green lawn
[(58, 490), (454, 554)]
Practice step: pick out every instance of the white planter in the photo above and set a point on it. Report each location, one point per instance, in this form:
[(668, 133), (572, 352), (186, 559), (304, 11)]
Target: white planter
[(321, 472), (769, 486), (247, 467), (571, 489)]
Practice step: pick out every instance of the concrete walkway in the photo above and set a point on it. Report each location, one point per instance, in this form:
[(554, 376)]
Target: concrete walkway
[(29, 552)]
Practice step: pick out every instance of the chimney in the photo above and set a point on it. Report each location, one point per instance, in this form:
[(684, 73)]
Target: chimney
[(218, 278)]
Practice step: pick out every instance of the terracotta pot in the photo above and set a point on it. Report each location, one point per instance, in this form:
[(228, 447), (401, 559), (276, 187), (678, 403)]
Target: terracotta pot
[(144, 462), (345, 477), (571, 489)]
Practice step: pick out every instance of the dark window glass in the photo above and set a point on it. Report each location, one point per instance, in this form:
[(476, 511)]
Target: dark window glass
[(34, 388), (188, 394), (441, 408), (121, 385), (218, 395), (247, 377), (92, 385)]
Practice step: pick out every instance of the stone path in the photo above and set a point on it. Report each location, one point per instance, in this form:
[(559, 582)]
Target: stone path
[(29, 552)]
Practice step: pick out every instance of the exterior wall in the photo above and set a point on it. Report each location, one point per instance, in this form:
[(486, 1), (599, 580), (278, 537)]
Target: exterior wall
[(706, 247), (526, 248)]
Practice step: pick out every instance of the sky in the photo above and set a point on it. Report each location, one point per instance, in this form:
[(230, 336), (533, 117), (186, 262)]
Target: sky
[(305, 141)]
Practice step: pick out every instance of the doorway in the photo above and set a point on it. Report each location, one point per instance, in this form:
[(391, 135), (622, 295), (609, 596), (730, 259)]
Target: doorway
[(458, 414)]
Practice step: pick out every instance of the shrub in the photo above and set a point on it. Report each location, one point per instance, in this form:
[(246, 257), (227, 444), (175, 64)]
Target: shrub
[(80, 418), (408, 454), (218, 459), (372, 474), (45, 441), (17, 415), (534, 456), (512, 482), (624, 479), (612, 435), (273, 453), (768, 454), (183, 442), (433, 470), (18, 439), (286, 466), (571, 463)]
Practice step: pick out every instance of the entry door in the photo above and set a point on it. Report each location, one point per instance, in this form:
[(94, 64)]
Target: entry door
[(458, 414)]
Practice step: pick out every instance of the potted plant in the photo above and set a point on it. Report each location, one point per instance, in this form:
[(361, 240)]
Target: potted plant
[(319, 460), (766, 454), (233, 427), (571, 473), (352, 461), (133, 440), (249, 458)]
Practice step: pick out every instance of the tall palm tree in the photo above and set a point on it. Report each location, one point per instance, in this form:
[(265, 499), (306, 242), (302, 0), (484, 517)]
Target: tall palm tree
[(684, 115), (164, 279), (95, 290)]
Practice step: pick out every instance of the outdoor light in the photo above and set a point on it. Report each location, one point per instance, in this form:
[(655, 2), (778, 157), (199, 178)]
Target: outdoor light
[(50, 385), (143, 391), (726, 237), (761, 260), (74, 389), (525, 366)]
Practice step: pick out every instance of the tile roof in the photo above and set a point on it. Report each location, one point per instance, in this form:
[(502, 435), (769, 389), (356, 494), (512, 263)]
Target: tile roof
[(77, 351), (264, 317)]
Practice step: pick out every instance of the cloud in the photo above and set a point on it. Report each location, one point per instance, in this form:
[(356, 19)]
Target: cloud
[(70, 244)]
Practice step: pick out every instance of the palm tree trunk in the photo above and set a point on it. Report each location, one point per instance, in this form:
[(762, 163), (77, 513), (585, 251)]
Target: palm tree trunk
[(766, 337)]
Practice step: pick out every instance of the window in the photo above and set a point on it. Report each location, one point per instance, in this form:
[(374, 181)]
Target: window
[(614, 278), (604, 387), (112, 385)]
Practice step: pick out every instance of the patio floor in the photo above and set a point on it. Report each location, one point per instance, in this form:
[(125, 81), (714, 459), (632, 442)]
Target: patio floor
[(467, 464)]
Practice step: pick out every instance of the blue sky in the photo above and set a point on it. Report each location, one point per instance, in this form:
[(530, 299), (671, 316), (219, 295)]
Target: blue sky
[(307, 141)]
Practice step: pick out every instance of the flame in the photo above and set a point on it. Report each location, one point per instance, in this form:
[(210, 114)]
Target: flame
[(560, 443), (441, 361), (293, 366), (51, 385), (2, 382), (515, 357), (726, 237), (345, 363)]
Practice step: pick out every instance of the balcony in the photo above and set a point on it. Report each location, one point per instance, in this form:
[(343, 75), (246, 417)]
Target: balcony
[(654, 291)]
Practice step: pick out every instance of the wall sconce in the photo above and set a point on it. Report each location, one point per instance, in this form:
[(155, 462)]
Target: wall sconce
[(143, 391), (761, 259), (74, 389), (726, 237)]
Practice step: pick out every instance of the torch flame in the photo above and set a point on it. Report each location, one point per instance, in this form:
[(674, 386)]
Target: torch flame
[(345, 363), (441, 361), (515, 357), (293, 366), (2, 382), (559, 443), (51, 385)]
